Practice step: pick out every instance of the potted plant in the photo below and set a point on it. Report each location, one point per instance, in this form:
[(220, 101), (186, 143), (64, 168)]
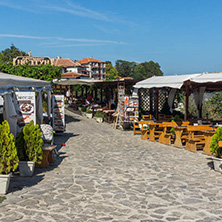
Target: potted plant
[(29, 147), (89, 113), (8, 156), (79, 106), (83, 110), (216, 150), (99, 117)]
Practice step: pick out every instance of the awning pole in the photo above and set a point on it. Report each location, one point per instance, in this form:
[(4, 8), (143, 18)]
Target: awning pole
[(187, 102)]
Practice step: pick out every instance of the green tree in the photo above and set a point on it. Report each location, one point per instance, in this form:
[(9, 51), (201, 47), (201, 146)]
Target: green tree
[(152, 69), (111, 72), (139, 72), (124, 68), (42, 72), (8, 54)]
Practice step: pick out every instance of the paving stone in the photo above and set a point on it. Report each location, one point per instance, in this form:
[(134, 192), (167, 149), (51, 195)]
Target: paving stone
[(111, 175)]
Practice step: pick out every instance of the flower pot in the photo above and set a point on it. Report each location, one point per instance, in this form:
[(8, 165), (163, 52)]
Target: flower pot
[(99, 120), (4, 183), (89, 115), (217, 164), (26, 168)]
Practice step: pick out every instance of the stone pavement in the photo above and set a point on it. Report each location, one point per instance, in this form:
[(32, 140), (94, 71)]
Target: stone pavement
[(110, 175)]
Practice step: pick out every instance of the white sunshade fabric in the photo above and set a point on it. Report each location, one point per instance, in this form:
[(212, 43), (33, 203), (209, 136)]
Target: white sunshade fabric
[(69, 82), (212, 77), (174, 81), (8, 81)]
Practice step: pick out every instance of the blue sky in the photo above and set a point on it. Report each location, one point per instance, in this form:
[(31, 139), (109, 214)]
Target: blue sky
[(183, 36)]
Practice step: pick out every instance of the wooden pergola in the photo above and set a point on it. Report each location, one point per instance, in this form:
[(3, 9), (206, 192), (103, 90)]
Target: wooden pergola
[(198, 83)]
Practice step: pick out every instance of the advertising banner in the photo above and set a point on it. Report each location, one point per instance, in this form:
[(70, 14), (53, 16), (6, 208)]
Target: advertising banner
[(26, 108), (58, 113)]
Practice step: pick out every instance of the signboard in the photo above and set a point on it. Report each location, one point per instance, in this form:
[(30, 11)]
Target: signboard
[(58, 113), (26, 108)]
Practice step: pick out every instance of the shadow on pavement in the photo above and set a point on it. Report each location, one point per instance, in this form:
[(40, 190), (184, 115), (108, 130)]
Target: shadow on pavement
[(18, 183), (70, 119), (210, 163)]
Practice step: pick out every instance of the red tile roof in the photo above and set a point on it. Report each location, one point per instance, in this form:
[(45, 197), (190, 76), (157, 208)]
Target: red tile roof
[(72, 75), (66, 63), (89, 59)]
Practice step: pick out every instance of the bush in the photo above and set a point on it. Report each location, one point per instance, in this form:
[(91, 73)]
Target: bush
[(8, 153), (83, 109), (215, 149), (80, 105), (99, 115), (29, 143), (89, 111)]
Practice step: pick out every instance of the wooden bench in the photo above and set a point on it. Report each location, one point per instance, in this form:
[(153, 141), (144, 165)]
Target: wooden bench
[(196, 139), (47, 156)]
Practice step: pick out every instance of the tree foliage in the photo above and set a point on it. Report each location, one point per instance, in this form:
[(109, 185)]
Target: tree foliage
[(125, 68), (111, 72), (42, 72), (138, 71), (8, 54)]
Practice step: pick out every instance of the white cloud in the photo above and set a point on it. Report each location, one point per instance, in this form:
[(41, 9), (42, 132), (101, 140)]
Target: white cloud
[(60, 39)]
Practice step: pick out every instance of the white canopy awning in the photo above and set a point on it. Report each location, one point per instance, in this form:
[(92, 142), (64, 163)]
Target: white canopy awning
[(212, 77), (70, 82), (8, 82), (174, 81)]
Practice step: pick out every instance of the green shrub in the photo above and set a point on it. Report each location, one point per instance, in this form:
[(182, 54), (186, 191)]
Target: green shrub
[(8, 153), (88, 111), (83, 109), (80, 105), (214, 148), (99, 115), (172, 130), (177, 118), (29, 143)]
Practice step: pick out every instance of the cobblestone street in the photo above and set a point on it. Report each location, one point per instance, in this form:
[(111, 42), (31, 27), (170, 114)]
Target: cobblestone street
[(111, 175)]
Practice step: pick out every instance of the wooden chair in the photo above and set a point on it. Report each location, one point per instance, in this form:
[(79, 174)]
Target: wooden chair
[(136, 127), (195, 140), (147, 116)]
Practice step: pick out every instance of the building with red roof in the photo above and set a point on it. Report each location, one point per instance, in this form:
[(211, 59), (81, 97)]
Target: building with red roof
[(95, 68)]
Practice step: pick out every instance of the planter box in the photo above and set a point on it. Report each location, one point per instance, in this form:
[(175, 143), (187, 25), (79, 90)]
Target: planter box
[(217, 164), (4, 183), (98, 119), (89, 115), (26, 168)]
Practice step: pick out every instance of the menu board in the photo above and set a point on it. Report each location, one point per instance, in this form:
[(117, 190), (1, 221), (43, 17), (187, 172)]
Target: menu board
[(26, 108), (58, 114)]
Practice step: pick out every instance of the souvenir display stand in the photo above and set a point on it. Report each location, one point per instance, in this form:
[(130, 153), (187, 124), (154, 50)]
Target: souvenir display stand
[(58, 113), (127, 108)]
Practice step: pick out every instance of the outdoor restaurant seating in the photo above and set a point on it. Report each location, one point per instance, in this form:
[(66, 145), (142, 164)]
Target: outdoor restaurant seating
[(196, 139)]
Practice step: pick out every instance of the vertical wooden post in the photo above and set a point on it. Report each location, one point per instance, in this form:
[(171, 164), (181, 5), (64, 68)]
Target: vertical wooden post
[(151, 100), (96, 93), (101, 94), (82, 90), (187, 102), (157, 103)]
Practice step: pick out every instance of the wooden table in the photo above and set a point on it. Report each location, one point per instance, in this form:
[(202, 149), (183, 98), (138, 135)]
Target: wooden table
[(207, 136), (144, 134), (178, 134), (142, 122), (152, 127)]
